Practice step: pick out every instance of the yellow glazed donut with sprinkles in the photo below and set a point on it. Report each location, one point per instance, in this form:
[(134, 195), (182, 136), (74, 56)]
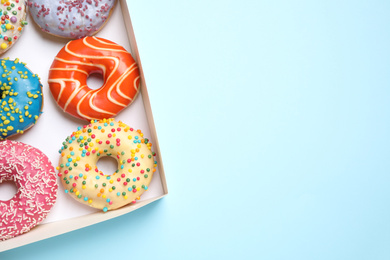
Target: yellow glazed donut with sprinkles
[(83, 180), (13, 15)]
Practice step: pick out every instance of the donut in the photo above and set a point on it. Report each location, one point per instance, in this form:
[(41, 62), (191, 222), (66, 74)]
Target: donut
[(13, 15), (21, 98), (36, 180), (71, 19), (83, 180), (80, 58)]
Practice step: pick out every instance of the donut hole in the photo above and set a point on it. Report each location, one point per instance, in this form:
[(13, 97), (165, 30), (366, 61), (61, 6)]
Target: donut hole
[(108, 165), (8, 190), (95, 80)]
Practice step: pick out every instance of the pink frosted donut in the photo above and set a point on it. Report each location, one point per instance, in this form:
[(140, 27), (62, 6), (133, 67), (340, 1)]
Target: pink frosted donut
[(35, 179)]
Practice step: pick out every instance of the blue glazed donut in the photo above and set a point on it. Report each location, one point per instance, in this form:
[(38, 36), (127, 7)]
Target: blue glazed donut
[(21, 98)]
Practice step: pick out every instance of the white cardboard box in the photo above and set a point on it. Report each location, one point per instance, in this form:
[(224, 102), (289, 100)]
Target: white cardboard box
[(38, 50)]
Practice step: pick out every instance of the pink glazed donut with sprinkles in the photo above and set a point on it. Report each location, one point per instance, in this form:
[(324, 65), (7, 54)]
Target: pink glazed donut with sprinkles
[(71, 18), (34, 176)]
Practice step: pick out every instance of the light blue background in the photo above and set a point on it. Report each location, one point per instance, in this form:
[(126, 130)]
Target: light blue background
[(273, 122)]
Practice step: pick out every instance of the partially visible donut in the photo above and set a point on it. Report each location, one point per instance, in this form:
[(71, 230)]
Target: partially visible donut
[(87, 184), (34, 176), (21, 98), (71, 18), (80, 58), (13, 15)]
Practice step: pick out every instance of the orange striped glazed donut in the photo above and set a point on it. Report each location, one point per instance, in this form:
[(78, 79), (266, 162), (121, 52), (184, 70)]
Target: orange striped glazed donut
[(79, 59)]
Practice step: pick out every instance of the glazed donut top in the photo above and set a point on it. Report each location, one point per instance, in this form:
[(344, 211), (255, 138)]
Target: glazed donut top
[(21, 98), (71, 18), (87, 184), (35, 178), (76, 61), (13, 19)]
